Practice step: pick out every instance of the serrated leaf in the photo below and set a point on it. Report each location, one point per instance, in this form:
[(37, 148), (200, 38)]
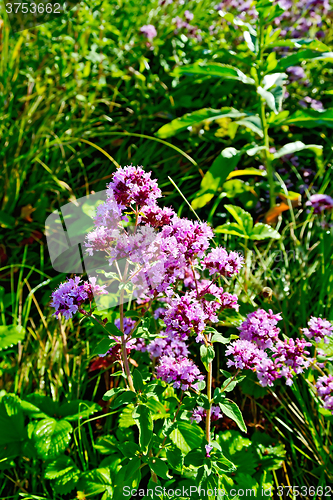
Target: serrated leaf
[(12, 430), (95, 482), (63, 473), (50, 436)]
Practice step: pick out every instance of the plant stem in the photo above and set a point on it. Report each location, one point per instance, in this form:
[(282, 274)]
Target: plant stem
[(123, 345), (209, 396), (124, 339), (268, 162)]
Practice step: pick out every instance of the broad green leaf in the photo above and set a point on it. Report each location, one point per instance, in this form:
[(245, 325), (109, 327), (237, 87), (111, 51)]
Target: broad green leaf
[(218, 337), (294, 147), (95, 482), (113, 392), (196, 118), (207, 354), (223, 71), (187, 436), (247, 171), (137, 380), (11, 335), (263, 231), (302, 55), (216, 175), (231, 228), (310, 118), (232, 411), (63, 473), (50, 437), (143, 419), (253, 123), (123, 398), (242, 217), (12, 429), (103, 346), (175, 458), (160, 467)]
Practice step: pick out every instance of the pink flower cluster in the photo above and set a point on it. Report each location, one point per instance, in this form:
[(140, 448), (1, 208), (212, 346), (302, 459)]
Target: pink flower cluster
[(199, 414), (324, 387), (181, 372), (260, 349)]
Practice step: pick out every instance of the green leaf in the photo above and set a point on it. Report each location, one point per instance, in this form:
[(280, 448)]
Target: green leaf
[(103, 346), (194, 119), (12, 430), (207, 354), (64, 474), (95, 482), (253, 123), (232, 411), (6, 220), (231, 228), (175, 458), (159, 467), (218, 337), (187, 436), (124, 398), (50, 437), (263, 231), (223, 71), (300, 56), (138, 381), (294, 147), (129, 449), (310, 118), (10, 335), (243, 218), (113, 392), (143, 419), (216, 175)]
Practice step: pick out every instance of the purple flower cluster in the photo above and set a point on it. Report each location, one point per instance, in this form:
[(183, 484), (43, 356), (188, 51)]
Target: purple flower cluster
[(291, 357), (128, 325), (166, 346), (190, 313), (219, 261), (318, 329), (199, 414), (324, 386), (259, 349), (71, 295), (260, 327), (149, 31), (186, 26), (181, 372), (313, 103), (320, 202), (246, 355)]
